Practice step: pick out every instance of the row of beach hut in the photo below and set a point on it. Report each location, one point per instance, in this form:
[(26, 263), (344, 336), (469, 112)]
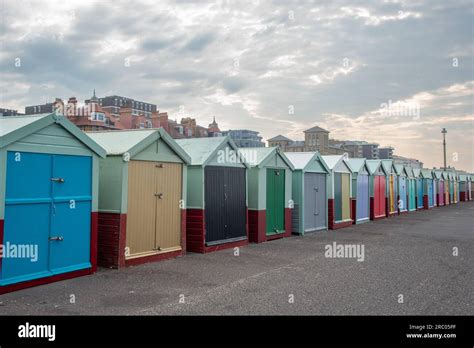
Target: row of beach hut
[(122, 198)]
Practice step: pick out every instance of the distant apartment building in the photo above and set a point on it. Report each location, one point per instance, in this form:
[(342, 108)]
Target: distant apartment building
[(41, 109), (315, 139), (296, 146), (114, 103), (386, 152), (245, 138), (370, 150), (280, 141), (411, 162), (352, 147), (116, 112), (8, 112)]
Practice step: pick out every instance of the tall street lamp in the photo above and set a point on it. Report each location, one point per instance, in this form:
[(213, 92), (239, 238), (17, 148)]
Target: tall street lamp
[(444, 131)]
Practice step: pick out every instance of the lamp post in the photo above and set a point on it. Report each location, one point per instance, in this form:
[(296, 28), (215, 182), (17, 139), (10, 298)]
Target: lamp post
[(444, 131)]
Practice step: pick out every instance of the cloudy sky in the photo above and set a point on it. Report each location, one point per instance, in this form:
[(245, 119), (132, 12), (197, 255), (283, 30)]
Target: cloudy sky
[(278, 67)]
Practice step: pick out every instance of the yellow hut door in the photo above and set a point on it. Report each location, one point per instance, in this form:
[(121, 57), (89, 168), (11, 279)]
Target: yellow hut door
[(345, 188), (168, 211), (392, 193), (455, 192), (154, 213), (140, 235)]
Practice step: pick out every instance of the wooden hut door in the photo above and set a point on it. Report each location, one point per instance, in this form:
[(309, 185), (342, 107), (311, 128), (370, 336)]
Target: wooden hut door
[(446, 192), (48, 205), (430, 192), (441, 192), (362, 199), (345, 204), (338, 197), (154, 214), (419, 188), (314, 201), (412, 194), (141, 216), (168, 210), (403, 193), (379, 195), (455, 192), (275, 219), (392, 194), (225, 203)]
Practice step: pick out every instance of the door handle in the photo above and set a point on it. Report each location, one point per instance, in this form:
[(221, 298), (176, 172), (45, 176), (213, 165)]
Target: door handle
[(58, 180), (57, 238), (159, 195)]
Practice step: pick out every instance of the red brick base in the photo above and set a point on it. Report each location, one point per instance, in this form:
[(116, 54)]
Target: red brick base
[(112, 242), (354, 210), (372, 211), (425, 202), (196, 233), (332, 224), (258, 228)]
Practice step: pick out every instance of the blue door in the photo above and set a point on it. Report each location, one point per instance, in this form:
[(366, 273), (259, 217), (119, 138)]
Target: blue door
[(430, 192), (71, 213), (27, 217), (402, 204), (47, 215), (419, 194), (362, 199)]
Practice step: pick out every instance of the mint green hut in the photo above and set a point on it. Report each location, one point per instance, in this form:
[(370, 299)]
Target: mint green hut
[(269, 193), (428, 190), (309, 213), (142, 190), (419, 188), (411, 189)]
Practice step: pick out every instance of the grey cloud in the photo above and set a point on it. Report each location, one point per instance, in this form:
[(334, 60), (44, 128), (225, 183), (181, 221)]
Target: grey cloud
[(200, 42)]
